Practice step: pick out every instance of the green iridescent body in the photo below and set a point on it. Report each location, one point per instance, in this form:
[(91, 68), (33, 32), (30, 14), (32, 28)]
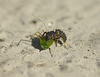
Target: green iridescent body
[(45, 44)]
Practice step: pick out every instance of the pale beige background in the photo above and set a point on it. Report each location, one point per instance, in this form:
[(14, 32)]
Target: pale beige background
[(79, 19)]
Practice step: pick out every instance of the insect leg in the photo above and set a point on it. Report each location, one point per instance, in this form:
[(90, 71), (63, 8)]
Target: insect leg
[(56, 41), (50, 52), (41, 32), (68, 45), (22, 40), (36, 35), (54, 49), (31, 38), (65, 43), (44, 33)]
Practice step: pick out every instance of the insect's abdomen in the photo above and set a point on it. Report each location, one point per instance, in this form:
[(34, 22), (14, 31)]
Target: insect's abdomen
[(45, 44)]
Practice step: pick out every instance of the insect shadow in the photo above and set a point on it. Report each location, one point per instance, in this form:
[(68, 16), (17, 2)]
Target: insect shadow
[(36, 43)]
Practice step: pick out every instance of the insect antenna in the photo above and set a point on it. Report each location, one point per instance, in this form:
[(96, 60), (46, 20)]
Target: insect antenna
[(42, 22)]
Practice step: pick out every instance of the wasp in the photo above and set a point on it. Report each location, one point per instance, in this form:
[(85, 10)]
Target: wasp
[(48, 37)]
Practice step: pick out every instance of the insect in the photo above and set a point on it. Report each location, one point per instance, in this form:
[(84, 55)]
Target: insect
[(48, 37)]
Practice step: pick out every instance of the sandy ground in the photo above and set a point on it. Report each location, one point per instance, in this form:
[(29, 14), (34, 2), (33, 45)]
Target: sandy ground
[(79, 19)]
